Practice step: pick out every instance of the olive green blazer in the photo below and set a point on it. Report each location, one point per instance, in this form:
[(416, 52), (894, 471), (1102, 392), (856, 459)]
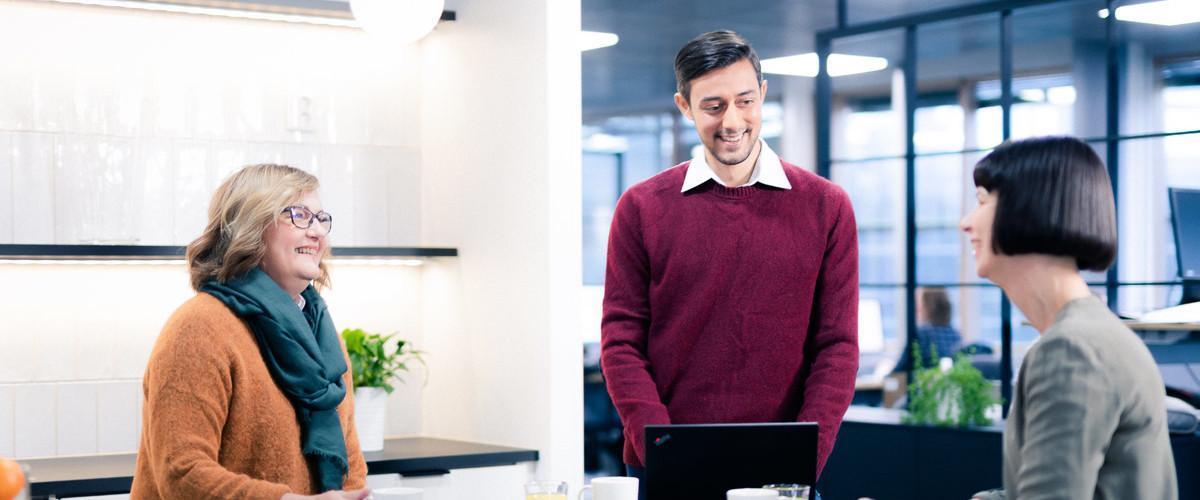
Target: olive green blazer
[(1088, 418)]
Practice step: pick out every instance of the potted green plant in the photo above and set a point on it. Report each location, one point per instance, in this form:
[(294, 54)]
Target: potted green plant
[(375, 361), (954, 394)]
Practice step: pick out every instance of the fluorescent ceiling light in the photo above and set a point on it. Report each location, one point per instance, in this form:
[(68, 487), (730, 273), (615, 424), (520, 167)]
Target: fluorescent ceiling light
[(199, 8), (1061, 95), (1032, 95), (806, 64), (589, 40), (1163, 12)]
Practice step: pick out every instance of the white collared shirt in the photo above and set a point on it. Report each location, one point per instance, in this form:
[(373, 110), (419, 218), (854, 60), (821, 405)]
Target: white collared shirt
[(767, 170)]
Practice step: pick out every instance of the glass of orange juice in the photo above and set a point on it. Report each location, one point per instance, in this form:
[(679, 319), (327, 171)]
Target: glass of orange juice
[(546, 490)]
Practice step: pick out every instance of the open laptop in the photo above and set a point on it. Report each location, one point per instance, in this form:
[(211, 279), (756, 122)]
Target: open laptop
[(706, 460)]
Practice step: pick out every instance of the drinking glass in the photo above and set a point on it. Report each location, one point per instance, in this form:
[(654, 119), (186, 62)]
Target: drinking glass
[(546, 490), (790, 490)]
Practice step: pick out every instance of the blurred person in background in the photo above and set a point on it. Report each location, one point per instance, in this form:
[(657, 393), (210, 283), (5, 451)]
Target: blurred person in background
[(933, 330)]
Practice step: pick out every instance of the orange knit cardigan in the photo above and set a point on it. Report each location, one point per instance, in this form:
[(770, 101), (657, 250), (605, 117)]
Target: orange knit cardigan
[(214, 424)]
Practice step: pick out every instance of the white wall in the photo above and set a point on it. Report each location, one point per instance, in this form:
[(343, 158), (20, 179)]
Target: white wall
[(116, 125), (77, 338), (500, 142)]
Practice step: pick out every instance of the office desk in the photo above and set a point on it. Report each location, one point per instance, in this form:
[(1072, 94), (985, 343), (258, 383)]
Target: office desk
[(1169, 343), (414, 456), (877, 456)]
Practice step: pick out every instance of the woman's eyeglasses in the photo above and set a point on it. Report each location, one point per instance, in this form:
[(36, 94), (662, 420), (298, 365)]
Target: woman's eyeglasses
[(303, 218)]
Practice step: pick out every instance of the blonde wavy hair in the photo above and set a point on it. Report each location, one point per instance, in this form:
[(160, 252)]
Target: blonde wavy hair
[(242, 209)]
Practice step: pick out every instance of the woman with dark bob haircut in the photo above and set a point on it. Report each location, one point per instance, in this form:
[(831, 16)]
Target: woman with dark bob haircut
[(1087, 417)]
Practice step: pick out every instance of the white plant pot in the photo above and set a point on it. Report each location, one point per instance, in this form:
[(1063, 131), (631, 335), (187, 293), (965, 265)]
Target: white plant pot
[(370, 411)]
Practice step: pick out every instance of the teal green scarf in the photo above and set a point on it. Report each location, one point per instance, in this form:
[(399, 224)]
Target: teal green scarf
[(307, 367)]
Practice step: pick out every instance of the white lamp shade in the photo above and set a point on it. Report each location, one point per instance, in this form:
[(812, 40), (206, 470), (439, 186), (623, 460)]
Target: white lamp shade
[(397, 21)]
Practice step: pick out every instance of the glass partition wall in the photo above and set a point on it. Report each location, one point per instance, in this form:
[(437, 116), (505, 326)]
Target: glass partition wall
[(903, 143)]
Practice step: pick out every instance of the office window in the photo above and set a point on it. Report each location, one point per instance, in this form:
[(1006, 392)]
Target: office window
[(1042, 105), (617, 152)]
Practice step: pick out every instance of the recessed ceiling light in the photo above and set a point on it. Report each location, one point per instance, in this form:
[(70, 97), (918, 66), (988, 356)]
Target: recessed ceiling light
[(1163, 12), (589, 40), (806, 64)]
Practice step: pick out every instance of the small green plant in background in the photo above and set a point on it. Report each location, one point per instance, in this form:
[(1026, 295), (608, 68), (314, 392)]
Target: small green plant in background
[(373, 363), (958, 397)]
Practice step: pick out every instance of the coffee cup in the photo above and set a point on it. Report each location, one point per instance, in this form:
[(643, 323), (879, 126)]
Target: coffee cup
[(612, 488), (751, 494)]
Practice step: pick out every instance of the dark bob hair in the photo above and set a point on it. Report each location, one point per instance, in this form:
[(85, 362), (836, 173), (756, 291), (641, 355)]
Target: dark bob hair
[(1053, 197), (711, 51)]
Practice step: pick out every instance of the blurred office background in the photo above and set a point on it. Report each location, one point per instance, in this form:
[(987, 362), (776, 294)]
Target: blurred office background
[(1147, 127)]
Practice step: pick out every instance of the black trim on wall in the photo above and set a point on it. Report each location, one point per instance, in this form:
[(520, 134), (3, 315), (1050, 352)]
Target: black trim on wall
[(161, 252)]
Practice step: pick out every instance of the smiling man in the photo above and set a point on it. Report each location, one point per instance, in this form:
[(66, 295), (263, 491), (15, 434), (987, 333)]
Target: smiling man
[(731, 292)]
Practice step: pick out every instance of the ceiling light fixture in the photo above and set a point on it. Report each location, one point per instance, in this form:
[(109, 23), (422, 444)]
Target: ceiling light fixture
[(397, 21), (1163, 12), (212, 9), (589, 40), (806, 64)]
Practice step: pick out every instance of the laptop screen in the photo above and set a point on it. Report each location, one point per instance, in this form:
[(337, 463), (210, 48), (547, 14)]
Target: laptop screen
[(706, 460)]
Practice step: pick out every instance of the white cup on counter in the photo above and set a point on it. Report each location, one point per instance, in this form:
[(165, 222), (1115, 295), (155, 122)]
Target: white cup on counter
[(397, 493), (752, 494), (612, 488)]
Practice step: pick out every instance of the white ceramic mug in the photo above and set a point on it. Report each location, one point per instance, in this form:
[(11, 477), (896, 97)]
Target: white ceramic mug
[(612, 488), (396, 493), (751, 494)]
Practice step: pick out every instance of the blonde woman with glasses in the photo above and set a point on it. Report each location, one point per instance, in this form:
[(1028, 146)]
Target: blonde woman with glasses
[(247, 393)]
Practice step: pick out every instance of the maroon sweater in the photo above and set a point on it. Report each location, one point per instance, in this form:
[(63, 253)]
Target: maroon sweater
[(731, 305)]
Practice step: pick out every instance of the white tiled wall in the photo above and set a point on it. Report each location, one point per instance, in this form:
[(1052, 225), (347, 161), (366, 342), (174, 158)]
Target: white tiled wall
[(116, 125), (70, 373), (118, 416), (6, 182), (7, 425), (69, 418), (33, 426), (76, 419)]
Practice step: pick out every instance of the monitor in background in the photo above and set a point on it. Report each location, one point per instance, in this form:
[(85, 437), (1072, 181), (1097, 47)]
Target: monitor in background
[(1185, 223), (870, 326)]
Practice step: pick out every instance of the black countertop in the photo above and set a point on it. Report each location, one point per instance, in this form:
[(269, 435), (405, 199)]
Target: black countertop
[(418, 456)]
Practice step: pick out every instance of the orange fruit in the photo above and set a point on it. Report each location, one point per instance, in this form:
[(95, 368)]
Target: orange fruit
[(11, 479)]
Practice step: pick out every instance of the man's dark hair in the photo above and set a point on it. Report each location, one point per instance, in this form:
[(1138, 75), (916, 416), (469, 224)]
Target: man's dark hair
[(711, 51), (1053, 197), (936, 306)]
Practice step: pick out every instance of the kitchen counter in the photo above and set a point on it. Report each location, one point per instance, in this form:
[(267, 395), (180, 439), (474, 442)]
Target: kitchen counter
[(415, 456)]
